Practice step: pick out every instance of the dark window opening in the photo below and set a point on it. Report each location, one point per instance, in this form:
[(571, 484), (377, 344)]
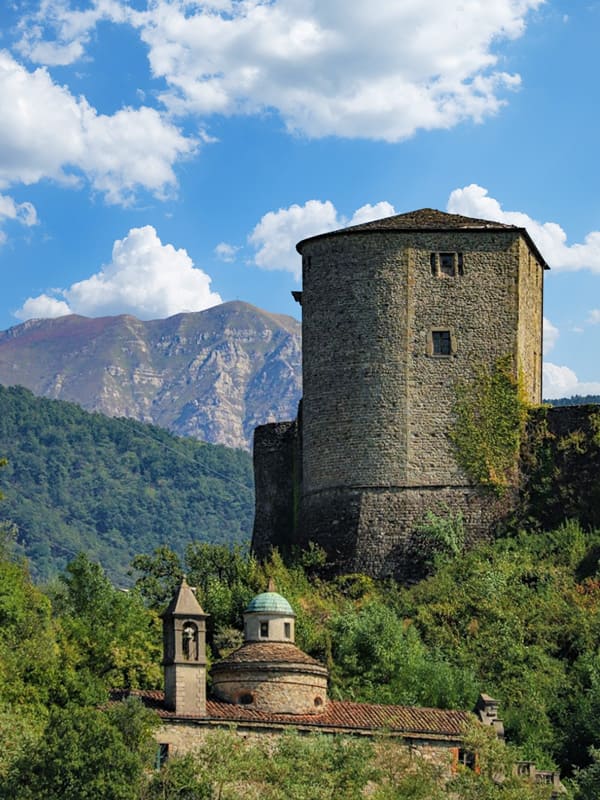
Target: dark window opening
[(467, 758), (162, 754), (264, 628), (246, 699), (447, 264), (318, 702), (287, 630), (442, 343)]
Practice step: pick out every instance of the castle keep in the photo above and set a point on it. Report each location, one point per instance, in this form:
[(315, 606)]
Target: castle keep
[(395, 313)]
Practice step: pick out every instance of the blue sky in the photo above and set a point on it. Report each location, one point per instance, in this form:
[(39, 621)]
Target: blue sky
[(159, 156)]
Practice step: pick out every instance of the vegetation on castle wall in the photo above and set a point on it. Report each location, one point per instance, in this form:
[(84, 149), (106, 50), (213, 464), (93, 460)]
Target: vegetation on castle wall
[(490, 417), (561, 467)]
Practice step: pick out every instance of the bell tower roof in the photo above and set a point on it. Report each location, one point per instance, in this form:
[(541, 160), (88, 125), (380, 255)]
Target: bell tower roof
[(184, 603)]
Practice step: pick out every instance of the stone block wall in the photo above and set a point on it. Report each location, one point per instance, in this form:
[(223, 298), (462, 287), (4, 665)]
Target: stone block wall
[(376, 531), (275, 691), (373, 451), (185, 688), (277, 470)]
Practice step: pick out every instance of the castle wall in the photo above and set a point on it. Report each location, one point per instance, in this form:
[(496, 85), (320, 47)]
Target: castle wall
[(277, 470), (529, 341), (379, 396), (376, 531)]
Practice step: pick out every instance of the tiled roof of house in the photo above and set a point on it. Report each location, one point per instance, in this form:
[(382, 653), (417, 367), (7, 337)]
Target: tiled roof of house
[(338, 715), (268, 652)]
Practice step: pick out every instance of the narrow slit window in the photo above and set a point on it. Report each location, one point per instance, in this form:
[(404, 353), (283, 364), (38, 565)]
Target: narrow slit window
[(461, 263), (264, 629), (433, 264), (287, 630)]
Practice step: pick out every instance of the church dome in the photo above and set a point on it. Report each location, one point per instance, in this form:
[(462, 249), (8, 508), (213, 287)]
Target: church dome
[(270, 603)]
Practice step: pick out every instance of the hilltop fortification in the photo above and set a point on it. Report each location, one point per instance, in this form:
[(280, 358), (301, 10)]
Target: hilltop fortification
[(396, 314)]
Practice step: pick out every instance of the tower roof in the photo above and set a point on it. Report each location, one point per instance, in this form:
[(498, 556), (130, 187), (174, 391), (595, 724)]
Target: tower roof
[(270, 603), (428, 219), (184, 603)]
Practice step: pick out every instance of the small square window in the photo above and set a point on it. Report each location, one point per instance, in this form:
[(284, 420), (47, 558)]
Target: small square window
[(442, 343), (264, 629), (287, 630)]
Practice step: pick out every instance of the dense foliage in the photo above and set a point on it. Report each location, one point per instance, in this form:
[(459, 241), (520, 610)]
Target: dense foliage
[(112, 487), (519, 619), (490, 420)]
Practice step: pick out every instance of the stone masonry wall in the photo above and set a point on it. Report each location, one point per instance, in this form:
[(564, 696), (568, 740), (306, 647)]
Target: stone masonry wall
[(186, 737), (277, 471), (378, 405), (291, 692), (376, 531), (531, 280)]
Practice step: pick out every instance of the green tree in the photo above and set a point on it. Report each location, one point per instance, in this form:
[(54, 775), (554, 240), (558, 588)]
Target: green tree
[(117, 639), (82, 755)]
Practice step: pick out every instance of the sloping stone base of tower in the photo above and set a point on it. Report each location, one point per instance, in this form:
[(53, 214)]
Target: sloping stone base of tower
[(379, 531), (375, 531)]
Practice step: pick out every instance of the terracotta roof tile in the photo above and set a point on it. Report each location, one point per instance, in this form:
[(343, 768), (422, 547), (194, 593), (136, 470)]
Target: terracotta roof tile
[(337, 715), (272, 652)]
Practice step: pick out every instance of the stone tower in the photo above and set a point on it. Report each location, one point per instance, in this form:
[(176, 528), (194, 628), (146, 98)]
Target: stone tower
[(394, 313), (184, 649)]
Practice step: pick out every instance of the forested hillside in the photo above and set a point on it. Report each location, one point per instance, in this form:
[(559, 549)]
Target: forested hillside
[(519, 619), (112, 487)]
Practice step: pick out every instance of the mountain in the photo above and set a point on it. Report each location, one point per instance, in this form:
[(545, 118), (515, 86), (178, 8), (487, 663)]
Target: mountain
[(213, 375), (113, 488)]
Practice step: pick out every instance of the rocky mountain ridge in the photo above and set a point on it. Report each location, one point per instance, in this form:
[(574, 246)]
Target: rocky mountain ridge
[(213, 375)]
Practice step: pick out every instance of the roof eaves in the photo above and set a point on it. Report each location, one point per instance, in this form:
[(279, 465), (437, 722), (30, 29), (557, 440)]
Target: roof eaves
[(356, 230)]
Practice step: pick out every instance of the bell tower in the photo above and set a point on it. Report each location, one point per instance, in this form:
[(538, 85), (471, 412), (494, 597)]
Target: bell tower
[(184, 653)]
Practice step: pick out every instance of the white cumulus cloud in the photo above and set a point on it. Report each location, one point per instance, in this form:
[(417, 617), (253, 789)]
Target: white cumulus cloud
[(24, 213), (145, 278), (380, 70), (44, 306), (48, 133), (551, 334), (226, 252), (561, 381), (276, 235), (551, 239), (594, 316)]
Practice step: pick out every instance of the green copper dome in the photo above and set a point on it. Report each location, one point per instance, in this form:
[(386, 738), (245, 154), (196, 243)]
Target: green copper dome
[(270, 603)]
